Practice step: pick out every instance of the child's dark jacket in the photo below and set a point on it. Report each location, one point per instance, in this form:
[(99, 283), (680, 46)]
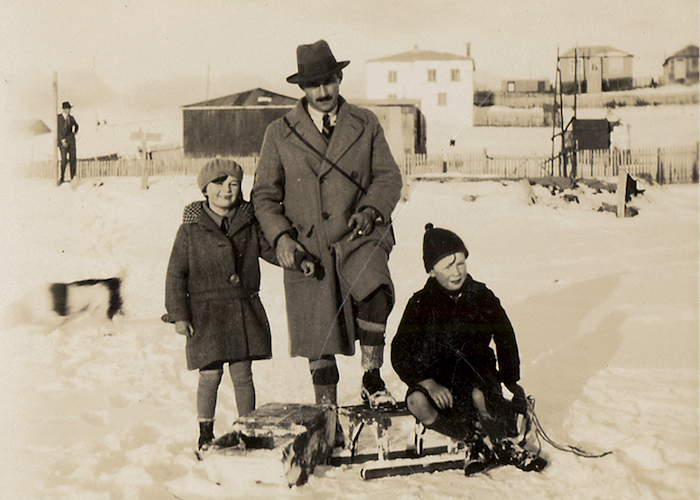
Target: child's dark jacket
[(213, 281), (447, 339)]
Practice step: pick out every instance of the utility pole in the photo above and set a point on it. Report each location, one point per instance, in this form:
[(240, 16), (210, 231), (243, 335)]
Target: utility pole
[(54, 113)]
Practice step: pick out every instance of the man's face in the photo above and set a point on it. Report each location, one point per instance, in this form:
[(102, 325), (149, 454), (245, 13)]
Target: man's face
[(222, 193), (451, 271), (322, 95)]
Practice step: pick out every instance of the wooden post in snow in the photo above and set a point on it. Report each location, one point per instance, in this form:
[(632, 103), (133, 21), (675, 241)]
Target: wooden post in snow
[(621, 192), (144, 137)]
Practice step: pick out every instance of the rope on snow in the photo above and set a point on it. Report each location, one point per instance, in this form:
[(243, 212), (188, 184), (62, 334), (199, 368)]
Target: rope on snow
[(540, 433)]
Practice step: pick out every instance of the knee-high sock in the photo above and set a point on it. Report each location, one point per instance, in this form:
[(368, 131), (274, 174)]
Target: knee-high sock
[(206, 393), (242, 377)]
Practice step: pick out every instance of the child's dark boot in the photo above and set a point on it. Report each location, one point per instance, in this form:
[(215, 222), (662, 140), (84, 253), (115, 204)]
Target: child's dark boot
[(206, 434)]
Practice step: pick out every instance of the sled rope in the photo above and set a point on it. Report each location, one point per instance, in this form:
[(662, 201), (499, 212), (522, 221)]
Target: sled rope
[(539, 431)]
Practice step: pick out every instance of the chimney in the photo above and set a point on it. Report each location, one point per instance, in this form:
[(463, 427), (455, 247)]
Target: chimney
[(469, 49)]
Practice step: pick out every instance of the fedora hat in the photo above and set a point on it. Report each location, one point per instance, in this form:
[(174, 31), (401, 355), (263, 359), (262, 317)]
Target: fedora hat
[(66, 105), (315, 61)]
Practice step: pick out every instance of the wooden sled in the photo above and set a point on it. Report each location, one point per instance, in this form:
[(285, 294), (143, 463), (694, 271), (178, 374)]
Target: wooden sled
[(425, 452), (275, 444)]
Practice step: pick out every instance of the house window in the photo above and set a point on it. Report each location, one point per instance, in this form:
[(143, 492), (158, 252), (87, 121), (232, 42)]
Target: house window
[(432, 75), (392, 77), (392, 96), (511, 87), (572, 66), (454, 75), (442, 99)]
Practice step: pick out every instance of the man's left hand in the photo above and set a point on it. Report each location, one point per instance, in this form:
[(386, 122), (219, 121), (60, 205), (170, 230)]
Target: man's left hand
[(519, 397), (361, 223)]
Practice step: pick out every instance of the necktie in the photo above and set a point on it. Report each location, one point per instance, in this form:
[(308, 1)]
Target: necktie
[(224, 225), (327, 128)]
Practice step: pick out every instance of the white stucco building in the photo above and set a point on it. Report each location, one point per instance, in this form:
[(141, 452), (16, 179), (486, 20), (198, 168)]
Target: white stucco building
[(442, 82)]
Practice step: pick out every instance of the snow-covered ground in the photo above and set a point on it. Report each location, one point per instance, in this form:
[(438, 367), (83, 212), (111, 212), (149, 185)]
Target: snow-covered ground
[(605, 310)]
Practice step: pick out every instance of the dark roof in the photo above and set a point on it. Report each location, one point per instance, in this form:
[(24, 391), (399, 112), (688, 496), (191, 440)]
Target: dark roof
[(254, 97), (594, 50), (421, 55), (31, 127), (689, 51)]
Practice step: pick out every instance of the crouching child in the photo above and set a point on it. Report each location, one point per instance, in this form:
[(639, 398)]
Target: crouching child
[(441, 351), (211, 290)]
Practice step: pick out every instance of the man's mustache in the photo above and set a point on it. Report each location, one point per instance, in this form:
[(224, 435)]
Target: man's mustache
[(324, 99)]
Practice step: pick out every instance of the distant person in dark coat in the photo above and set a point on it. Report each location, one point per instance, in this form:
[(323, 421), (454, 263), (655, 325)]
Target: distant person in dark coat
[(66, 128), (327, 183), (442, 352), (211, 290)]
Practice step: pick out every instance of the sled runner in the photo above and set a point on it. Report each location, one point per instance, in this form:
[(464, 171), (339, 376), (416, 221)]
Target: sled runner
[(386, 454)]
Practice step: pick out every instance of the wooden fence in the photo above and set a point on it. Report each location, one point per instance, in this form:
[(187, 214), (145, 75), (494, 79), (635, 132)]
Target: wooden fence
[(664, 165)]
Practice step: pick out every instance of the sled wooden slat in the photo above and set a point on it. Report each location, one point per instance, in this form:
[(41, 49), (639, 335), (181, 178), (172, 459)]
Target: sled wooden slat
[(411, 466), (275, 444), (338, 460)]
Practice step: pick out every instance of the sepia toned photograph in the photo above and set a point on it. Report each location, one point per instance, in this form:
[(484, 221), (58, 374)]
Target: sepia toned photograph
[(402, 249)]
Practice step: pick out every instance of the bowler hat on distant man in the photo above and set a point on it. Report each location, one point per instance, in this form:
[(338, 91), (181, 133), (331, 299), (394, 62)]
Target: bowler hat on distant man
[(315, 61), (66, 105)]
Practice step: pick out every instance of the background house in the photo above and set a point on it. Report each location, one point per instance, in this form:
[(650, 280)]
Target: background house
[(234, 125), (442, 82), (525, 86), (596, 69), (682, 67), (403, 123)]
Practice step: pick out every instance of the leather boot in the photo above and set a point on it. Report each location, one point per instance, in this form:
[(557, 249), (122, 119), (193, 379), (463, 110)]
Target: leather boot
[(206, 434)]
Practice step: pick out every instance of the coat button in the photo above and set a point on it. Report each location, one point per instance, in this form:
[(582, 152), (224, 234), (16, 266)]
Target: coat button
[(325, 215), (234, 279)]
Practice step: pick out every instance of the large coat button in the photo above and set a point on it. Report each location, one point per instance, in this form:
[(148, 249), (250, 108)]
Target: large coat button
[(234, 279), (325, 215)]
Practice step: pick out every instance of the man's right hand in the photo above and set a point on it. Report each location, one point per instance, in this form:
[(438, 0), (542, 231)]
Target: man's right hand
[(184, 328), (286, 247), (440, 394)]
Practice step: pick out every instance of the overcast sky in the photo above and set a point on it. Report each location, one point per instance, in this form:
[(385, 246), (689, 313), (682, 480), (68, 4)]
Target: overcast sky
[(157, 52)]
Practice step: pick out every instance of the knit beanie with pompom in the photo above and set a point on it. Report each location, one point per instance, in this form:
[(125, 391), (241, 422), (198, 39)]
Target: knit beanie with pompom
[(439, 243)]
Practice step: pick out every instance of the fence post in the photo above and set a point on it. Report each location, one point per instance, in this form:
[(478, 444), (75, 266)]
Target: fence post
[(659, 168), (621, 192), (695, 175)]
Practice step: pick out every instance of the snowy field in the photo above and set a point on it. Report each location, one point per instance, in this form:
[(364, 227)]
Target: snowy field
[(605, 311)]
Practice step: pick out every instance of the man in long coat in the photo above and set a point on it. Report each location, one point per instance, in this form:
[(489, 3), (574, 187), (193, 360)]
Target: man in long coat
[(67, 127), (326, 183)]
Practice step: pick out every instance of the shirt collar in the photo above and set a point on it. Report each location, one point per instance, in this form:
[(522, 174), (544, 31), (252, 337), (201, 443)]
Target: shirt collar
[(317, 117), (216, 217)]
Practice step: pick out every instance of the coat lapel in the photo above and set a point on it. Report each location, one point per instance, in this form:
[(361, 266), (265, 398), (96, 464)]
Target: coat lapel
[(302, 123), (348, 130), (243, 217)]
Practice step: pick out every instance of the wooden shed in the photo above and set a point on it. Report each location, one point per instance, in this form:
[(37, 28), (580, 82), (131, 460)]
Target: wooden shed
[(682, 67), (233, 125)]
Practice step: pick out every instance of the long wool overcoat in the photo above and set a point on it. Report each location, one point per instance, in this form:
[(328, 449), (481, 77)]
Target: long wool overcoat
[(213, 281), (299, 193), (447, 339)]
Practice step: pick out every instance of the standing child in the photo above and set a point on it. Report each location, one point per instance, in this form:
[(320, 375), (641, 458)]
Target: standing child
[(211, 290), (441, 351)]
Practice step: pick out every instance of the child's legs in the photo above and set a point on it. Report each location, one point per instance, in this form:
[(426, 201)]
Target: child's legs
[(209, 379), (456, 422), (421, 406), (242, 378)]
